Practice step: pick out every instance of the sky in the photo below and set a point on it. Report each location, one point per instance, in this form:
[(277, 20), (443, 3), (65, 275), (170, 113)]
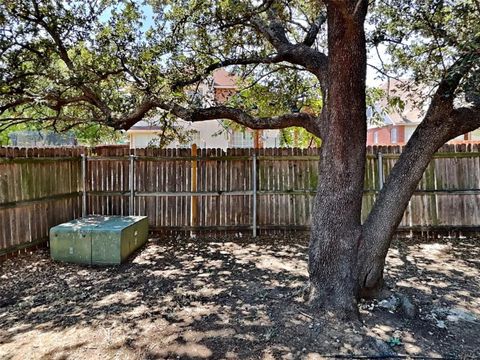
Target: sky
[(147, 12), (373, 78)]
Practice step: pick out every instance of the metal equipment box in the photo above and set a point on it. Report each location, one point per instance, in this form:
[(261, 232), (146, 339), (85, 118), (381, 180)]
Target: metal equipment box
[(98, 240)]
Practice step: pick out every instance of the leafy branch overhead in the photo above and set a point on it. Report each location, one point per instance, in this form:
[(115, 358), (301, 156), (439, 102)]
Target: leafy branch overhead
[(117, 62), (68, 64)]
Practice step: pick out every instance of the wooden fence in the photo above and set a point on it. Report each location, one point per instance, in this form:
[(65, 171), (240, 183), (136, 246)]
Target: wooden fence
[(39, 188), (183, 190)]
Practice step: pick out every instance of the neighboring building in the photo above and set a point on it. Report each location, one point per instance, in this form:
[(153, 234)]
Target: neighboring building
[(209, 133), (398, 127), (395, 133), (203, 133)]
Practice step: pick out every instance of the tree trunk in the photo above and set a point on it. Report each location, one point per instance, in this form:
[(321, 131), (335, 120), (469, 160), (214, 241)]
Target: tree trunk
[(387, 212), (336, 222), (438, 126), (346, 258)]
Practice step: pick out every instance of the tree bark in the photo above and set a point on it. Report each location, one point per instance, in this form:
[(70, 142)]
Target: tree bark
[(387, 212), (336, 222), (346, 258), (441, 123)]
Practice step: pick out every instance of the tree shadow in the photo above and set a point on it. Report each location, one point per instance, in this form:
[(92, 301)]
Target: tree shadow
[(202, 298), (440, 277)]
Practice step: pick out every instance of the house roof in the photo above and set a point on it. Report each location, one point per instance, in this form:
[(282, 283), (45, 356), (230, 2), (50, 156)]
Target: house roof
[(404, 118), (411, 113), (145, 128), (224, 79), (154, 127)]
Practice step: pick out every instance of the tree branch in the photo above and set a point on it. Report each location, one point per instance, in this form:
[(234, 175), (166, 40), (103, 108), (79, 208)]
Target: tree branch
[(38, 19), (442, 123), (273, 32), (464, 120), (300, 54), (314, 61), (224, 63), (312, 33), (304, 120), (49, 100), (14, 104)]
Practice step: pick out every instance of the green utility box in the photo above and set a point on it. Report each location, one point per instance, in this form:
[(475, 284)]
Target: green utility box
[(98, 240)]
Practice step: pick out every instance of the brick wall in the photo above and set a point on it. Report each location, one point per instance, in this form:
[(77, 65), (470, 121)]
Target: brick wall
[(384, 135)]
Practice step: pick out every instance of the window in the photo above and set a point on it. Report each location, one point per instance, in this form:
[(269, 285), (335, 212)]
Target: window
[(393, 136), (375, 137), (241, 139)]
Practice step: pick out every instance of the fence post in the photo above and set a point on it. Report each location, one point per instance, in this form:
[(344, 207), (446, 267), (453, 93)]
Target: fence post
[(254, 190), (84, 185), (131, 204), (193, 189), (380, 170)]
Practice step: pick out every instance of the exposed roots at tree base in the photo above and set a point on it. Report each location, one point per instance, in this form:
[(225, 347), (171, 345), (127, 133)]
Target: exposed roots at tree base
[(332, 308), (373, 291)]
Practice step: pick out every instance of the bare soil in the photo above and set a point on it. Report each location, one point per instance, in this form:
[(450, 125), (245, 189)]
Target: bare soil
[(235, 298)]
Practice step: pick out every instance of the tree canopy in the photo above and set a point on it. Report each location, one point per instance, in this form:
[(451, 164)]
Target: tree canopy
[(117, 62), (65, 65), (430, 41)]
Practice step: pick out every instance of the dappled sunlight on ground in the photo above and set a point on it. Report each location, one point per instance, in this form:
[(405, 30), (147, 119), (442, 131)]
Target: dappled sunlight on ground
[(208, 298), (443, 271)]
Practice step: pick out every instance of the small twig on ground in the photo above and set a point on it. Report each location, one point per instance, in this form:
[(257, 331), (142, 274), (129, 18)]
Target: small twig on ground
[(305, 314)]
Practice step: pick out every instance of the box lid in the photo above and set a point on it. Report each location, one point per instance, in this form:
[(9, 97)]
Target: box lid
[(99, 223)]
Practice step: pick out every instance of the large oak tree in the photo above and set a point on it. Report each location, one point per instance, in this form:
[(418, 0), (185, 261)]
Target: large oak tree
[(70, 63)]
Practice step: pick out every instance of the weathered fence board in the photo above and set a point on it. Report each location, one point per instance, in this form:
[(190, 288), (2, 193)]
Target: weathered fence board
[(39, 188), (212, 189)]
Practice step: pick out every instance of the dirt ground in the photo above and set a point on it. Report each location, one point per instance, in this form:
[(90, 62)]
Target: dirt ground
[(234, 298)]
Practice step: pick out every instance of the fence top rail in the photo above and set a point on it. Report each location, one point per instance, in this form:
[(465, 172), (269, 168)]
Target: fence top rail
[(184, 154), (44, 152), (206, 158), (21, 160), (123, 147), (279, 157), (441, 155)]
